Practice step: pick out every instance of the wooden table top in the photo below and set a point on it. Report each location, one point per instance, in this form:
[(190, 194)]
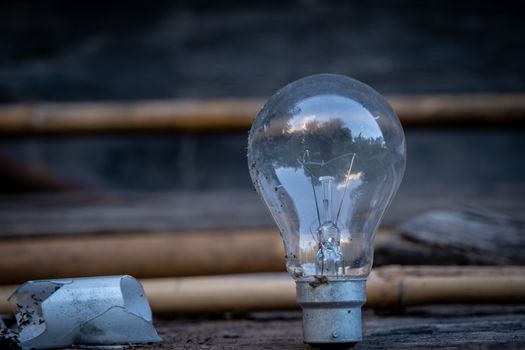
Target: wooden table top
[(450, 327)]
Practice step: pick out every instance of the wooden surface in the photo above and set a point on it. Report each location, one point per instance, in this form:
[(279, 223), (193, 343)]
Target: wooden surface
[(128, 212), (87, 213), (437, 327), (500, 110)]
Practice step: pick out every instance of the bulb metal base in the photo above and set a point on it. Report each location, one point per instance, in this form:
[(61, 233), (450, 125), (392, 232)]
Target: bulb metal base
[(331, 311)]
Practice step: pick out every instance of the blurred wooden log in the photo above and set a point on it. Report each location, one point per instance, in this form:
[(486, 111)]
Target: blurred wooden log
[(237, 114), (466, 110), (142, 255), (387, 287), (445, 237), (71, 117)]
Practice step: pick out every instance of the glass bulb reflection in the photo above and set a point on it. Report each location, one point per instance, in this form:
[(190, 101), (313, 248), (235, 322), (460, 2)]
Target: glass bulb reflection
[(327, 154)]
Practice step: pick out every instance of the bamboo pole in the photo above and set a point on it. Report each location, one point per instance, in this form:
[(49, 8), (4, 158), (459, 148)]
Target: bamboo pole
[(467, 110), (234, 114), (142, 255), (399, 286), (221, 293), (387, 287), (183, 115)]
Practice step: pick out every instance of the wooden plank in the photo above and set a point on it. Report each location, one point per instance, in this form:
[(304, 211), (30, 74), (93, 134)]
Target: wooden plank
[(88, 213), (455, 327), (468, 110), (127, 212)]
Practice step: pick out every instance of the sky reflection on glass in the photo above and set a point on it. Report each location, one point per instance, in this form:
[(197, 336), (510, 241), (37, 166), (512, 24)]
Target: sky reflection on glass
[(354, 116)]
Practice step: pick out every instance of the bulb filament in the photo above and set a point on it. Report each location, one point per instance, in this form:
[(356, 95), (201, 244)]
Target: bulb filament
[(329, 259)]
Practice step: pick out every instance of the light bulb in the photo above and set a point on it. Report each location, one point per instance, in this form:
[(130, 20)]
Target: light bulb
[(327, 154)]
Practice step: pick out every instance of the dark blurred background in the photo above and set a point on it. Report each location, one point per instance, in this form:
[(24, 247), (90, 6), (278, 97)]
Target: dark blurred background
[(123, 50), (129, 51)]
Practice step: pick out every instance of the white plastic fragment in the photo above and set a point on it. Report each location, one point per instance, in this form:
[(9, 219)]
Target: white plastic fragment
[(89, 311)]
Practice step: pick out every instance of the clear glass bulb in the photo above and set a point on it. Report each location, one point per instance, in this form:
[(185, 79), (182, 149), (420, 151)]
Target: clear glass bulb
[(327, 155)]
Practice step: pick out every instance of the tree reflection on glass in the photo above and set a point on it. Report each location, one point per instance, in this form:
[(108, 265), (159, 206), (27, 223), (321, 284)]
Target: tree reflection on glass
[(335, 175)]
